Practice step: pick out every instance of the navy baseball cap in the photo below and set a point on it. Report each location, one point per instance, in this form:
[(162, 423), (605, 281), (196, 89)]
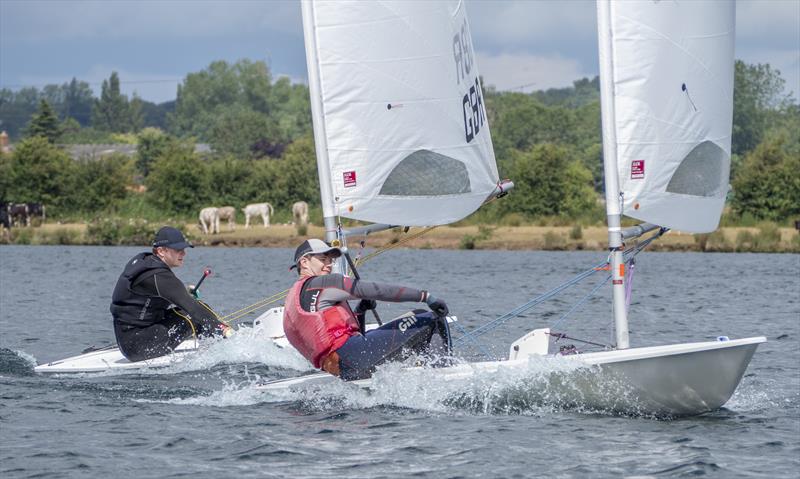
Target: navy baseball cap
[(171, 238), (314, 246)]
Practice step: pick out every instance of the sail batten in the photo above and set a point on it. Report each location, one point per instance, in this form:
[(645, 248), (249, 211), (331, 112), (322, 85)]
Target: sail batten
[(406, 132)]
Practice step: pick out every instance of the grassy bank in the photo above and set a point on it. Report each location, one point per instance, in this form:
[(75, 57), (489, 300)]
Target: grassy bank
[(764, 238)]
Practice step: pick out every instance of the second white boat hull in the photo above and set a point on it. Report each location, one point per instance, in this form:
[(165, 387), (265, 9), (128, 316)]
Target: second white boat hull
[(674, 380)]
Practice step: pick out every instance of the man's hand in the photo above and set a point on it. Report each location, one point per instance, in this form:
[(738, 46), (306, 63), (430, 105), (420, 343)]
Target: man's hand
[(437, 305), (365, 305)]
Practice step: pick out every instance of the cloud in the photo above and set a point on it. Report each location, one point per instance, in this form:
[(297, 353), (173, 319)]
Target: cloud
[(47, 20), (510, 25), (769, 24), (526, 73)]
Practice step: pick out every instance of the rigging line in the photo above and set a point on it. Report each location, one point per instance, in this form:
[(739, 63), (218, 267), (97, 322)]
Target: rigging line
[(629, 253), (582, 300), (401, 242), (257, 305), (564, 336), (474, 341), (530, 304)]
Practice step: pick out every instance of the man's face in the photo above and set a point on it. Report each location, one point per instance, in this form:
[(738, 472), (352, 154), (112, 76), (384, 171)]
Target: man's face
[(316, 264), (172, 257)]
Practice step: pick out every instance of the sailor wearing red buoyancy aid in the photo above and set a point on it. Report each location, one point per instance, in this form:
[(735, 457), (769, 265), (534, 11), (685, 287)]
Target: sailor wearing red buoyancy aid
[(320, 324)]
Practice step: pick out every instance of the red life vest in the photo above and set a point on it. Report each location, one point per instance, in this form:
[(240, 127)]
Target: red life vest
[(320, 333)]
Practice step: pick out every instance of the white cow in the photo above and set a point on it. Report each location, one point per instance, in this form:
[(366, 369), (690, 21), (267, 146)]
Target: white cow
[(228, 213), (209, 219), (257, 209), (300, 213)]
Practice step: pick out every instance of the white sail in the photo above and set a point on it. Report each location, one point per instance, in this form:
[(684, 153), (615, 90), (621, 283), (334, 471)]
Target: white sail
[(401, 128), (669, 65)]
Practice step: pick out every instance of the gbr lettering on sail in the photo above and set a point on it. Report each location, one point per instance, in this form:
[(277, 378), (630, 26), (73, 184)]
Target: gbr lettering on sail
[(467, 76)]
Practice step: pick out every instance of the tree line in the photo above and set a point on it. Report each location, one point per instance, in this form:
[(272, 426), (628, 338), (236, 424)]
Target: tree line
[(259, 129)]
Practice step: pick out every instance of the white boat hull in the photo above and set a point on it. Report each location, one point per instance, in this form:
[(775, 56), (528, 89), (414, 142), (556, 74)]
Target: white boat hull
[(111, 359), (674, 380), (269, 324)]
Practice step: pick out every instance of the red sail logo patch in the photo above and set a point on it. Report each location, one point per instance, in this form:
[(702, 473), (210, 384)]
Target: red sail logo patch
[(637, 169), (349, 179)]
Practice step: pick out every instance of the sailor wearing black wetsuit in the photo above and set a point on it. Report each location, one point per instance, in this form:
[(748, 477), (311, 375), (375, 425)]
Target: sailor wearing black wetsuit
[(319, 323), (152, 310)]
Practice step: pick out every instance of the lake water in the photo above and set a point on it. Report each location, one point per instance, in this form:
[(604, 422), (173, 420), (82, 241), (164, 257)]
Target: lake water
[(203, 417)]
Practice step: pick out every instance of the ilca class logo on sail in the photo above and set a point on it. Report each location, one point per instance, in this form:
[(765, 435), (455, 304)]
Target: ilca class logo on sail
[(472, 102)]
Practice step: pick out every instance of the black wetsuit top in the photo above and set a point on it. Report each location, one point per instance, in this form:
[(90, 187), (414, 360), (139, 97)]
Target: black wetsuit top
[(141, 306)]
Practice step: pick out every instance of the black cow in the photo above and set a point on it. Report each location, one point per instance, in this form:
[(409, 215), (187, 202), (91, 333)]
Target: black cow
[(5, 221), (35, 210), (18, 214)]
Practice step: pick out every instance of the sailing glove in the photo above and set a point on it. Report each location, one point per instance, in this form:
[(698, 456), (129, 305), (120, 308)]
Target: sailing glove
[(365, 305), (437, 305)]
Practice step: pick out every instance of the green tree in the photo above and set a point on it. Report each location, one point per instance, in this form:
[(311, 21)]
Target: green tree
[(291, 178), (41, 172), (111, 112), (135, 114), (548, 181), (213, 103), (103, 182), (78, 100), (45, 123), (768, 184), (178, 181), (5, 177), (228, 177), (16, 109), (758, 96), (151, 144), (237, 129)]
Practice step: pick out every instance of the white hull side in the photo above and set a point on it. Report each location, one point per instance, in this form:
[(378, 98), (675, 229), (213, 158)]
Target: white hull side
[(675, 380), (111, 358)]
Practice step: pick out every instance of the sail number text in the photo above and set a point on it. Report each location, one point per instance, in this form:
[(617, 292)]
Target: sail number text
[(472, 102)]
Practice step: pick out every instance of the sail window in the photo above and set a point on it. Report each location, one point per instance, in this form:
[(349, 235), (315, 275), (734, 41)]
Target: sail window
[(702, 172), (426, 173)]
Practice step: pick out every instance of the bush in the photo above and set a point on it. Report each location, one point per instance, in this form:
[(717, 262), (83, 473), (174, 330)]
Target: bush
[(768, 238), (117, 231), (745, 241), (712, 241), (22, 236), (469, 241), (554, 241), (576, 232), (512, 219), (62, 236)]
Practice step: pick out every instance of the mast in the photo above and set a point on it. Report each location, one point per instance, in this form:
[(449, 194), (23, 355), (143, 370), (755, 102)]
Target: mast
[(613, 199), (317, 113)]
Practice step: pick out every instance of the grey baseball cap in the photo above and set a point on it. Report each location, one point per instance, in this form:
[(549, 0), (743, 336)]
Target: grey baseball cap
[(314, 246)]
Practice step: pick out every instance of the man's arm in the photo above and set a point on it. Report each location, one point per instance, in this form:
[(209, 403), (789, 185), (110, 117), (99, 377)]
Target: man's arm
[(330, 289), (169, 287)]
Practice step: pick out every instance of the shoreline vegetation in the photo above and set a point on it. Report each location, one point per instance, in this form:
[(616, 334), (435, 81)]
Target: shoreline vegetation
[(765, 238)]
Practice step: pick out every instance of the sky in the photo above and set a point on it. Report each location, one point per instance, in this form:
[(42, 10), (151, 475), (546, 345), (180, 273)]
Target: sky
[(521, 45)]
